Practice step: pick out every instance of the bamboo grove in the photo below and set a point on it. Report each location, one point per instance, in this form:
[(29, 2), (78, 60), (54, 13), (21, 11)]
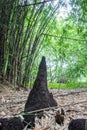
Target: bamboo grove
[(24, 26), (21, 24)]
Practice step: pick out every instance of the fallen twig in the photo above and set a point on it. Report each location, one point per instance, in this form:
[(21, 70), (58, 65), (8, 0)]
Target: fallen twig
[(46, 128), (68, 93)]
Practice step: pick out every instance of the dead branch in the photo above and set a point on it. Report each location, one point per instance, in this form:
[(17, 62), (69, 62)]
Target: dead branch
[(69, 93), (46, 128), (11, 103)]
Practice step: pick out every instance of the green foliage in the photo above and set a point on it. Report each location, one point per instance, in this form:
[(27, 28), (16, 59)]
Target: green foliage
[(66, 48), (35, 28), (68, 85)]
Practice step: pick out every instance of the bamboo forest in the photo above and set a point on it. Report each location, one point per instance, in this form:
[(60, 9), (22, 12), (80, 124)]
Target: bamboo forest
[(43, 64)]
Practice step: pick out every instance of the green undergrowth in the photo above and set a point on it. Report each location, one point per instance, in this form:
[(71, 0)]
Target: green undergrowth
[(67, 85)]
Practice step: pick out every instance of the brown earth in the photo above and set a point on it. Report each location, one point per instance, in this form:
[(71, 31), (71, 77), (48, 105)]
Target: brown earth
[(73, 101)]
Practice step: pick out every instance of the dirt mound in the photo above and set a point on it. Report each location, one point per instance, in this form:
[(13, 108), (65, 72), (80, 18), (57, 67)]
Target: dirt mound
[(39, 97)]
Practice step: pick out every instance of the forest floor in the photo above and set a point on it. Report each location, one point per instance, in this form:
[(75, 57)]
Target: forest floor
[(73, 101)]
